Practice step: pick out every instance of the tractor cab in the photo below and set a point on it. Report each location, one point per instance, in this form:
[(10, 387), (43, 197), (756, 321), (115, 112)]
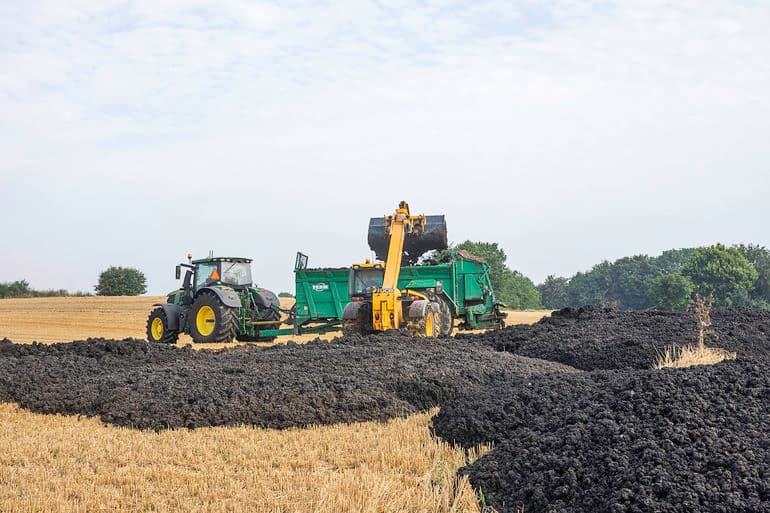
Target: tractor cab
[(232, 272)]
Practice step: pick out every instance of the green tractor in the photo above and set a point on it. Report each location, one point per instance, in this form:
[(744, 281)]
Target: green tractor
[(217, 302)]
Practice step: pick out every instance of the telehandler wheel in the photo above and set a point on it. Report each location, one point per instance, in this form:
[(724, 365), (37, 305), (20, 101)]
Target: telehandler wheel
[(361, 325), (212, 321), (157, 328), (426, 326)]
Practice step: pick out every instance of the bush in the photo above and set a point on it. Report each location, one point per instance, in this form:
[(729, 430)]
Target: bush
[(285, 294), (121, 281), (19, 288)]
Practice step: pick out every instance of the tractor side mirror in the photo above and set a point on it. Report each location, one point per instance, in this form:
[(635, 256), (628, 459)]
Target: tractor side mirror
[(178, 272)]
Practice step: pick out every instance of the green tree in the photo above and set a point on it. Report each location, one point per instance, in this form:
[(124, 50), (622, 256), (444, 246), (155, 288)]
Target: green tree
[(673, 260), (725, 271), (590, 288), (511, 287), (121, 281), (759, 256), (519, 291), (672, 291), (630, 279), (553, 292)]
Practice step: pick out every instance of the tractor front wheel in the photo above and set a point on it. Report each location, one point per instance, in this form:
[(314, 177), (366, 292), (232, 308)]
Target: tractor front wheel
[(212, 321), (158, 330)]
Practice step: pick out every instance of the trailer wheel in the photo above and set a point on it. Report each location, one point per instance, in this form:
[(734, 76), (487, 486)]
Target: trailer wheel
[(157, 328), (447, 321), (212, 321)]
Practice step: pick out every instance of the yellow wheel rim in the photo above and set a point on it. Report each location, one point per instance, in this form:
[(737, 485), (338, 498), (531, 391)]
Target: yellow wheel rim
[(429, 325), (205, 321), (156, 328)]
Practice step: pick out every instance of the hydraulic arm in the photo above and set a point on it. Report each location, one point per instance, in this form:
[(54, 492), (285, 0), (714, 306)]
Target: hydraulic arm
[(387, 309)]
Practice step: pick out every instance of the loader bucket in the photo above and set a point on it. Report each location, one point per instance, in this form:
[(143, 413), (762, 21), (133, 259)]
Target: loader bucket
[(434, 237)]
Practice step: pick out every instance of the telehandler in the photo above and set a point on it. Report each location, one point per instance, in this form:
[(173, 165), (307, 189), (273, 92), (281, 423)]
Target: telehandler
[(377, 304)]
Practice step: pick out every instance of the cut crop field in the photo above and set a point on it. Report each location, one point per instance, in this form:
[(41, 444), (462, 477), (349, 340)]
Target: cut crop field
[(577, 418)]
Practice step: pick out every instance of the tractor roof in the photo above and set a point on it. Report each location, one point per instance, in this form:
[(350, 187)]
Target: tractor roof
[(222, 259)]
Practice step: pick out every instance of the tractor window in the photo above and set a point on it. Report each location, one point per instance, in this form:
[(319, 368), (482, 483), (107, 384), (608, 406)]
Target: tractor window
[(363, 281), (203, 275), (237, 274)]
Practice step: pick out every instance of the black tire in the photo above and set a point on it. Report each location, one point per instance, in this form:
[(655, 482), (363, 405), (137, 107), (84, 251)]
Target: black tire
[(361, 325), (208, 309), (446, 320), (157, 328)]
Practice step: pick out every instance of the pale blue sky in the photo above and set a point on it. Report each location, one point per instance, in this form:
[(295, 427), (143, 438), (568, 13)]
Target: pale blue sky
[(569, 131)]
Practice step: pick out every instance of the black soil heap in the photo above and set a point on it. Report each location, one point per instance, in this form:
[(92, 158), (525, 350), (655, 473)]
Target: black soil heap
[(695, 440), (592, 337), (619, 437), (153, 386)]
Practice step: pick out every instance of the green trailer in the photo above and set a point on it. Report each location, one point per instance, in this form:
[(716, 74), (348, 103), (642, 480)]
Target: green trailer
[(321, 295), (461, 285)]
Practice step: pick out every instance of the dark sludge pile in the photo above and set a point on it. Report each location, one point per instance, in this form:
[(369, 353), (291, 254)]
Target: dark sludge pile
[(595, 337), (623, 437), (579, 420), (153, 386), (684, 440)]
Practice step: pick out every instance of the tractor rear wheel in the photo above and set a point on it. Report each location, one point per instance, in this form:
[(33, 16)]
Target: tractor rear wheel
[(158, 330), (428, 325), (212, 321)]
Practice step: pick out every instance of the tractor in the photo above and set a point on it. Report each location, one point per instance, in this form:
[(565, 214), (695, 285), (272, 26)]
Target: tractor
[(217, 302)]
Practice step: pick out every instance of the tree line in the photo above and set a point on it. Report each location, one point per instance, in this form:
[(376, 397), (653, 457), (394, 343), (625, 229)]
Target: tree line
[(115, 281), (737, 276), (21, 288)]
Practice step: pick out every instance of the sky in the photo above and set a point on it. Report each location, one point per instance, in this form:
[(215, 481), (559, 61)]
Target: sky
[(134, 132)]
